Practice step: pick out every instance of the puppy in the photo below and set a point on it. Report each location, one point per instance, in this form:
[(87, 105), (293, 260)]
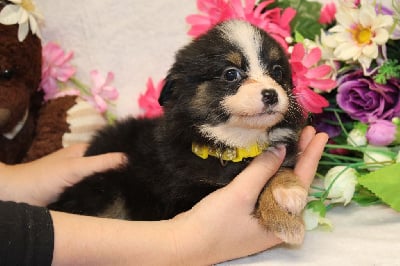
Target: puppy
[(227, 97)]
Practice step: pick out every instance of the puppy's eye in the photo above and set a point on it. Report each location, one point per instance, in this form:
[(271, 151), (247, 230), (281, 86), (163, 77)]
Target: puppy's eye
[(6, 74), (277, 72), (232, 74)]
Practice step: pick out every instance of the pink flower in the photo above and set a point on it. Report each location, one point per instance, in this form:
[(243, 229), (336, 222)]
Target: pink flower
[(307, 75), (310, 100), (101, 91), (274, 21), (328, 13), (381, 133), (55, 68), (149, 100)]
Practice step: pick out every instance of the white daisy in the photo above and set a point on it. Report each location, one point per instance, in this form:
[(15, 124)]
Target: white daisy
[(23, 13), (359, 32)]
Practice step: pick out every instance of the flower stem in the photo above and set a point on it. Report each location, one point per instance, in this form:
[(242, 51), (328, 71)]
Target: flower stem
[(341, 157), (80, 85)]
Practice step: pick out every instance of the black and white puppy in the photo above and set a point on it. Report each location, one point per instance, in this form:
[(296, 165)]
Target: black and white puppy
[(227, 97)]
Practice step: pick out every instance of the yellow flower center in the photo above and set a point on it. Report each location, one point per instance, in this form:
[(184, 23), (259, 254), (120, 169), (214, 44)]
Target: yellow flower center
[(362, 35), (28, 5)]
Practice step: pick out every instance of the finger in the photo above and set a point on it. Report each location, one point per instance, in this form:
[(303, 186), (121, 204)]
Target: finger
[(307, 134), (307, 162), (76, 150), (253, 178), (85, 166)]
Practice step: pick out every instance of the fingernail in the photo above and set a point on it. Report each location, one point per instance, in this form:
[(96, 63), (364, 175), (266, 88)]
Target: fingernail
[(278, 150)]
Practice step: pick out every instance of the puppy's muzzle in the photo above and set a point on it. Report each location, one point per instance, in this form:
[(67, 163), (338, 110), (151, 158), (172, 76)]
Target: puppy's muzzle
[(269, 97)]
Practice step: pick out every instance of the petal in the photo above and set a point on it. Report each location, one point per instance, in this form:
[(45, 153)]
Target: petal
[(370, 51), (150, 85), (337, 28), (101, 105), (310, 100), (109, 78), (197, 19), (97, 80), (237, 8), (323, 84), (24, 16), (9, 15), (381, 133), (288, 14), (23, 30), (298, 53), (367, 15), (312, 58), (365, 62), (382, 21), (109, 93), (345, 19), (346, 51), (65, 73), (381, 36), (319, 71), (33, 24)]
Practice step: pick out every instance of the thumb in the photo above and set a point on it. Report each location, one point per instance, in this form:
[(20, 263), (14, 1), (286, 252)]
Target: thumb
[(253, 178)]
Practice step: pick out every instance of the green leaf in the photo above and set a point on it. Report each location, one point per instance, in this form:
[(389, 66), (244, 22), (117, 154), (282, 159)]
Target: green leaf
[(317, 206), (308, 27), (385, 184), (364, 197)]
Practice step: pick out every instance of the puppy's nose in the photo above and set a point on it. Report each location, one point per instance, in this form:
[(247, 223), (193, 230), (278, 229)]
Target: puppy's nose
[(269, 96)]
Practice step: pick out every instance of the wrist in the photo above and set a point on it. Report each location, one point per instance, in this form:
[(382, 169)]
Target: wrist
[(6, 190), (192, 245)]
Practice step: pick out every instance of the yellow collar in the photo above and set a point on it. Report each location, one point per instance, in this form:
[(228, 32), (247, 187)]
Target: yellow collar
[(230, 154)]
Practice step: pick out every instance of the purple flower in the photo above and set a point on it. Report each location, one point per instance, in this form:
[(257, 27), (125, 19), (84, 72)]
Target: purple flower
[(381, 133), (367, 101), (328, 123)]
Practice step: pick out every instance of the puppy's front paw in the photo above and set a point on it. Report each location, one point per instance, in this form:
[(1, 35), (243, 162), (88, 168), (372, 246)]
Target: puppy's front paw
[(294, 233), (287, 226), (291, 198), (280, 205)]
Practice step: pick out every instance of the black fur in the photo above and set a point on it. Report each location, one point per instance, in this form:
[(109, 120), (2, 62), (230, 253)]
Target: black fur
[(163, 177)]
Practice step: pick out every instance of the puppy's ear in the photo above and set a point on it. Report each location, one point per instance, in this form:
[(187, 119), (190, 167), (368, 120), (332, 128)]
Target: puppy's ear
[(166, 91)]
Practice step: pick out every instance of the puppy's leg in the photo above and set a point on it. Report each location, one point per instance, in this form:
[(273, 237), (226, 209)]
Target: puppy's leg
[(280, 205)]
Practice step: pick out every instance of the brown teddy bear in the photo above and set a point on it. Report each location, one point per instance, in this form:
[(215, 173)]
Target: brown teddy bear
[(29, 129)]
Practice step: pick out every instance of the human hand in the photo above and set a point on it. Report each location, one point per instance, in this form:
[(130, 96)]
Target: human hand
[(41, 182), (222, 225)]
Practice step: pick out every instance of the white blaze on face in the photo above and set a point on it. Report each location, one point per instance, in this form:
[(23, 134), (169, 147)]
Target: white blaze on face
[(249, 40), (248, 99), (249, 116)]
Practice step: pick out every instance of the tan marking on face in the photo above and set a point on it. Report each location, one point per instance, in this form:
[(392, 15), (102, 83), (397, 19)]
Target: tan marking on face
[(248, 99), (274, 54), (200, 100), (249, 81), (235, 58)]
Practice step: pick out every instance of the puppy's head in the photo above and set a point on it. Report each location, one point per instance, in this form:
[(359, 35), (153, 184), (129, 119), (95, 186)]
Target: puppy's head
[(232, 85)]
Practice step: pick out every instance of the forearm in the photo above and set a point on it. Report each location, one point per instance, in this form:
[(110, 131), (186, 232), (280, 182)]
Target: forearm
[(84, 240), (7, 190)]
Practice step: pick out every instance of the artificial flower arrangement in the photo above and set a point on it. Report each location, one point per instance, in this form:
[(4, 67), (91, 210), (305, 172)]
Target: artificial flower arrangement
[(346, 75)]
